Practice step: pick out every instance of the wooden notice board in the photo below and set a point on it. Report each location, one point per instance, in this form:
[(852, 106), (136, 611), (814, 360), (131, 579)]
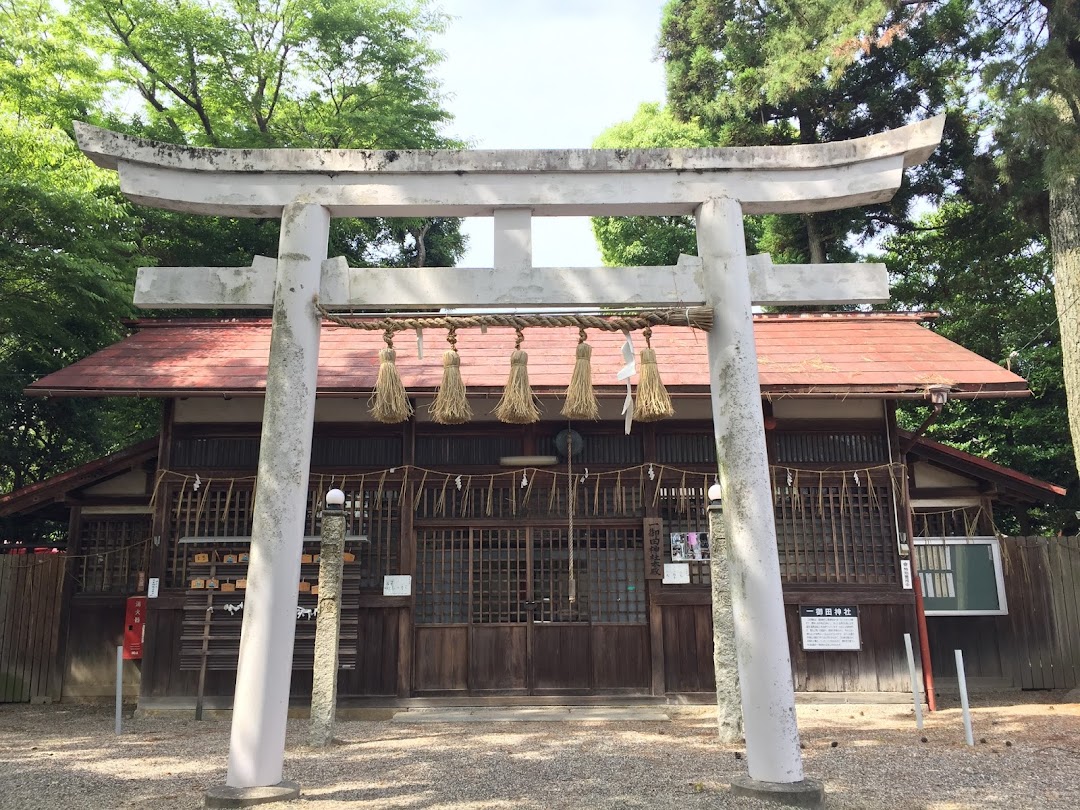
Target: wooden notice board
[(654, 548)]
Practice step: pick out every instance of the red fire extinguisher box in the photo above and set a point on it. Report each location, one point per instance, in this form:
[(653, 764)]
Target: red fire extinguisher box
[(134, 627)]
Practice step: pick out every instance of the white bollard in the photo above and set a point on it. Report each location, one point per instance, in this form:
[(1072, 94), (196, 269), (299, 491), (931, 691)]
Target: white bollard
[(914, 681), (961, 679), (119, 687)]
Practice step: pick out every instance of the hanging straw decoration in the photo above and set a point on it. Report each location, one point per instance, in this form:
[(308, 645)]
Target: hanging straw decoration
[(580, 398), (389, 404), (451, 406), (652, 402), (518, 405)]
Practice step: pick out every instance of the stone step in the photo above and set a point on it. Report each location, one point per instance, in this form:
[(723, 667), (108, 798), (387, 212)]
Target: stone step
[(535, 714)]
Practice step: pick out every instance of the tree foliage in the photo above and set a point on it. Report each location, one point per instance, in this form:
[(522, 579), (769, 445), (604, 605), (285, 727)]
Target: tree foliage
[(331, 74), (67, 256), (224, 73), (1003, 241), (646, 241), (988, 273), (729, 65)]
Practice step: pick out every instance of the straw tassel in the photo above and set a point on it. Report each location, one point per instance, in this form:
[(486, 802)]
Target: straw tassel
[(451, 406), (518, 405), (390, 403), (652, 402), (580, 398)]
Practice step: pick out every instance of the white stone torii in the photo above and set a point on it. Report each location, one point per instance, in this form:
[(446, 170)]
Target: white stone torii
[(306, 188)]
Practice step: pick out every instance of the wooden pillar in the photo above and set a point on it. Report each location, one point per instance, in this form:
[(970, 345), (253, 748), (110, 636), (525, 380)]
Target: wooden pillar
[(658, 680), (407, 564)]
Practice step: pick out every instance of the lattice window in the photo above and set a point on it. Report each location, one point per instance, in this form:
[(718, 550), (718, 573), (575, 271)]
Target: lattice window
[(218, 453), (442, 576), (615, 571), (686, 448), (551, 577), (451, 451), (372, 511), (113, 552), (616, 449), (684, 508), (544, 496), (220, 510), (832, 530), (479, 497), (831, 448), (959, 522), (485, 577), (355, 451), (499, 576)]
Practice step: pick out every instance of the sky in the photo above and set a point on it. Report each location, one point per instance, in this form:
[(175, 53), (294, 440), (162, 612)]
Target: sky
[(546, 74)]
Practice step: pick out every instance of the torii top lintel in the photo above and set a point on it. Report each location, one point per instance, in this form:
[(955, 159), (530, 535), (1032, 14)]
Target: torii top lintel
[(554, 182)]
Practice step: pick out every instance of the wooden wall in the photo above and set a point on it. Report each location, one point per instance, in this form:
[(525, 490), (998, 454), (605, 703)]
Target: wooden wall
[(30, 618), (95, 630), (1035, 646), (880, 666), (375, 672)]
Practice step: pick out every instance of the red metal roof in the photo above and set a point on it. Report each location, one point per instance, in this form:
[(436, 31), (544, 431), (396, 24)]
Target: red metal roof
[(816, 355), (56, 488)]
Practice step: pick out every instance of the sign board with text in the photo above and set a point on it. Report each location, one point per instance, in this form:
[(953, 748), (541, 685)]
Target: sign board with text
[(835, 627), (397, 585), (676, 573), (654, 548)]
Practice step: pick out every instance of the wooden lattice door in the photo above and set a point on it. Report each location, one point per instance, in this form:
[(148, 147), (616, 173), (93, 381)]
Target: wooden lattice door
[(559, 637), (494, 614)]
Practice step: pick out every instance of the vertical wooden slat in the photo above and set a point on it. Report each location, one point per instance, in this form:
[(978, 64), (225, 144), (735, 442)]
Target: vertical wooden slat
[(8, 619)]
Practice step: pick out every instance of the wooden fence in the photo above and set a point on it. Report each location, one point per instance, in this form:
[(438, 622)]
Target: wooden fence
[(31, 587), (1037, 645)]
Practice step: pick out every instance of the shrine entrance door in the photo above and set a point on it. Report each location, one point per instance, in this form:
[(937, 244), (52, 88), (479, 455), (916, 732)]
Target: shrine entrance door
[(494, 616)]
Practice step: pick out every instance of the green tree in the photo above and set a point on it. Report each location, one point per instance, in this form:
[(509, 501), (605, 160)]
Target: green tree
[(334, 74), (988, 273), (647, 241), (1025, 89), (66, 271), (725, 62)]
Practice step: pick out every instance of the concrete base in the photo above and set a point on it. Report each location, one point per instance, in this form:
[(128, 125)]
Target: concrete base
[(808, 793), (225, 796)]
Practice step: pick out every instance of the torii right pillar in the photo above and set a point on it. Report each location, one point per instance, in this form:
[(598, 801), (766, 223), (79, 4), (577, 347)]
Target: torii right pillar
[(773, 753)]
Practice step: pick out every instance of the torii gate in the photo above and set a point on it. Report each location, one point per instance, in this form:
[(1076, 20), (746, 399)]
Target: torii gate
[(306, 188)]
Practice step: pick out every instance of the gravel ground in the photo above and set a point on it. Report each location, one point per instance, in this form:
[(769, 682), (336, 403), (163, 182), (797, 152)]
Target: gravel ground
[(1027, 755)]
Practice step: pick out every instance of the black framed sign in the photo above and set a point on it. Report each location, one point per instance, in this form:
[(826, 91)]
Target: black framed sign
[(835, 627)]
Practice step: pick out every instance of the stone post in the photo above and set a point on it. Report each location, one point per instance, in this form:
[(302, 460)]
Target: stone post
[(261, 702), (725, 664), (328, 622), (774, 760)]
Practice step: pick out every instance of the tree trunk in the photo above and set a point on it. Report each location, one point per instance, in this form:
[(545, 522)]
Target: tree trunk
[(1065, 243)]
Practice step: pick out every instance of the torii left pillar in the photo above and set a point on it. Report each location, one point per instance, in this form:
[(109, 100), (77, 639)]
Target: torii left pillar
[(261, 702)]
